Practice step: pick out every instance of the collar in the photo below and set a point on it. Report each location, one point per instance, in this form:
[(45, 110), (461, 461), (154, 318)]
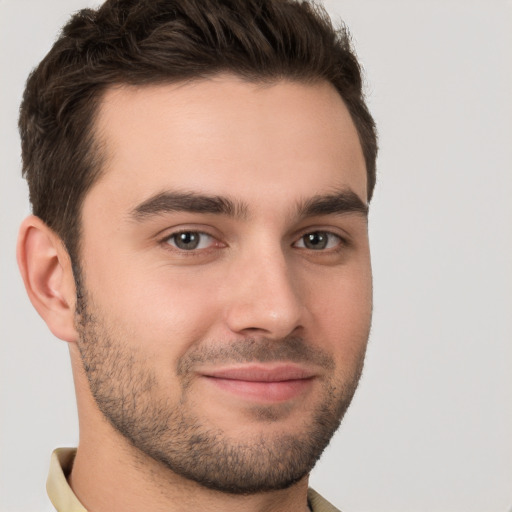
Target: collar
[(60, 493)]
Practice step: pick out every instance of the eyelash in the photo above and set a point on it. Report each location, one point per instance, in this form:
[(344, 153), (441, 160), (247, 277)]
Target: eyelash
[(340, 244)]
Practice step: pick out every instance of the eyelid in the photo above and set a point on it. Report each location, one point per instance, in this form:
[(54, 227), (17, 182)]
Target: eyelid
[(169, 231), (338, 231)]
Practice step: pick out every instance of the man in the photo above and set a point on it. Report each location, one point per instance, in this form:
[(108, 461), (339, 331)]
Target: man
[(200, 174)]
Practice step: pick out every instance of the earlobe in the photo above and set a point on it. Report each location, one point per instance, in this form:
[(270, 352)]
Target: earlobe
[(47, 273)]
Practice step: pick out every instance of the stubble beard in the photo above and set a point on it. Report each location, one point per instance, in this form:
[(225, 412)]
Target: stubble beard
[(128, 395)]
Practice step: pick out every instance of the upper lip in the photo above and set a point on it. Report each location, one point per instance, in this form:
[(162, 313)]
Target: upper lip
[(261, 373)]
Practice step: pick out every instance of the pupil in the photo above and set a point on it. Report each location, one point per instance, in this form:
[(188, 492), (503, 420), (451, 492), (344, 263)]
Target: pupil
[(316, 241)]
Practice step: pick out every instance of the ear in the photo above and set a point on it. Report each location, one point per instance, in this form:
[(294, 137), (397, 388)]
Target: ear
[(48, 276)]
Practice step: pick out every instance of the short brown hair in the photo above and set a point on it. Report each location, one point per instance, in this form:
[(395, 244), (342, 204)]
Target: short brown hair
[(141, 42)]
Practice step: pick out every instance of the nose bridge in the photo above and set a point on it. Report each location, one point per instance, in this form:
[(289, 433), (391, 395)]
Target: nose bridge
[(264, 294)]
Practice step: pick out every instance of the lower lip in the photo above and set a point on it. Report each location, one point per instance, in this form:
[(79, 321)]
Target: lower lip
[(280, 391)]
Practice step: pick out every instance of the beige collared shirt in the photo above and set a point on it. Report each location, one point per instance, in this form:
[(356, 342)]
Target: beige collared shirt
[(64, 499)]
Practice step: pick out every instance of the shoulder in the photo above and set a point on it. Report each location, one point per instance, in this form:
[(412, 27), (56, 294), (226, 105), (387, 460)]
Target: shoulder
[(319, 504)]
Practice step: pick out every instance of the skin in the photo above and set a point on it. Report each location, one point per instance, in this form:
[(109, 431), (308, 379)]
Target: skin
[(252, 281)]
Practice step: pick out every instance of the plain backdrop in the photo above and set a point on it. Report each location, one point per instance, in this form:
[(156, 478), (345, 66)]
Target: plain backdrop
[(430, 428)]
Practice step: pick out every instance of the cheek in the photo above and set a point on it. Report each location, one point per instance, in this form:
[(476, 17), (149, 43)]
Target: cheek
[(343, 316), (157, 310)]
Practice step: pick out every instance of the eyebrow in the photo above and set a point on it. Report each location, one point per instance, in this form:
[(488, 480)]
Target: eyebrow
[(168, 202), (337, 203)]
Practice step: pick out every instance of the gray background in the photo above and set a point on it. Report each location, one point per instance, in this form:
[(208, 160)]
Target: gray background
[(431, 425)]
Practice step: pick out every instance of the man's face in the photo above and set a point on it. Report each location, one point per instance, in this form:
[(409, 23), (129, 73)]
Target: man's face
[(226, 276)]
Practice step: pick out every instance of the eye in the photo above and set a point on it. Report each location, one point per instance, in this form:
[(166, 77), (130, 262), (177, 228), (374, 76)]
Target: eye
[(190, 240), (318, 241)]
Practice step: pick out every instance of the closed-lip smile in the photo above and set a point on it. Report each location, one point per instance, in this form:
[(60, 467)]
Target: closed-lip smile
[(262, 382)]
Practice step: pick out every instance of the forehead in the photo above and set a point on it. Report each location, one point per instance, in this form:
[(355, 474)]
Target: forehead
[(227, 136)]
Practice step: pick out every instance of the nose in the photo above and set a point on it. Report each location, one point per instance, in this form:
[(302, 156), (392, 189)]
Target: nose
[(264, 297)]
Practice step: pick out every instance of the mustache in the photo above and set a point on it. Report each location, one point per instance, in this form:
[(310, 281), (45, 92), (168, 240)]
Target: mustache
[(256, 350)]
